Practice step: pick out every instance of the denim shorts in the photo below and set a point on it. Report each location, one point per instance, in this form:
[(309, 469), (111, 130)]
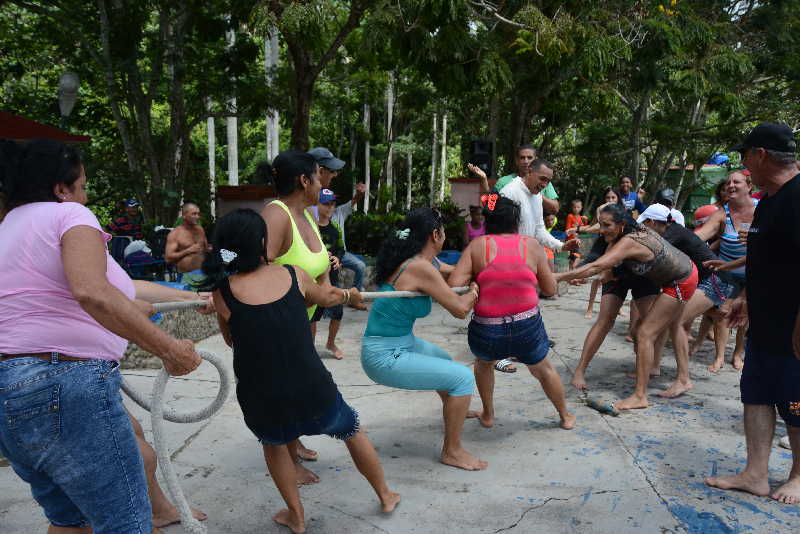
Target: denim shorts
[(526, 340), (773, 379), (65, 432), (718, 290), (340, 421)]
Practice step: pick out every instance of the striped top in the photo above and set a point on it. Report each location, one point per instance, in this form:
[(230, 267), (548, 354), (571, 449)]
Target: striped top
[(729, 247), (508, 285)]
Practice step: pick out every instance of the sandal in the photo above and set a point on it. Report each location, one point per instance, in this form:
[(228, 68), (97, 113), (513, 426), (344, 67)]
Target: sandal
[(505, 366)]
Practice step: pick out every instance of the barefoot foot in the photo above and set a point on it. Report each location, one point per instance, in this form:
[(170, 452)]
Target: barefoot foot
[(463, 460), (716, 366), (305, 477), (171, 517), (485, 421), (306, 453), (286, 518), (629, 339), (738, 363), (568, 422), (336, 352), (676, 389), (588, 315), (631, 403), (389, 501), (789, 493), (742, 482)]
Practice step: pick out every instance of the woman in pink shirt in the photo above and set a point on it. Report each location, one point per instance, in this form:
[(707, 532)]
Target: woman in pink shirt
[(509, 268), (66, 315)]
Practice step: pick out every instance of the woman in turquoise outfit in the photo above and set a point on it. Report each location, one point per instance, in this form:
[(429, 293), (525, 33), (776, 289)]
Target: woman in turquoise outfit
[(391, 355)]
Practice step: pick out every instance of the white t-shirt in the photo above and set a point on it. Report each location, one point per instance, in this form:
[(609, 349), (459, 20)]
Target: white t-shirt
[(531, 213)]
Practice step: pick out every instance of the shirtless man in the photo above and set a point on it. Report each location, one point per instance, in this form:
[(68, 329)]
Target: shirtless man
[(187, 243)]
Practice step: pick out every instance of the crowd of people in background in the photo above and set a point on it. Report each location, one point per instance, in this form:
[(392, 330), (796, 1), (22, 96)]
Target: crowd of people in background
[(68, 310)]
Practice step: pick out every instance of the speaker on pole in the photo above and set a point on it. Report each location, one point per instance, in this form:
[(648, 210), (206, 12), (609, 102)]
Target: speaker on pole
[(480, 155)]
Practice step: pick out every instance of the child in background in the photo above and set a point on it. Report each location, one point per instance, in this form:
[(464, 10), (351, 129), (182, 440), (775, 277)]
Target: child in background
[(574, 221), (475, 226), (332, 239)]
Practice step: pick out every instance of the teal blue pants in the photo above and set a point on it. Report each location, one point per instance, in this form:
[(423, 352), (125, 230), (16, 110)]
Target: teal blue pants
[(407, 362)]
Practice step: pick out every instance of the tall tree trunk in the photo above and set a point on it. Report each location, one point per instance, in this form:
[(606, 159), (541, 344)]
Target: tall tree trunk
[(390, 141), (639, 118), (232, 129), (433, 160), (212, 160), (353, 156), (409, 175), (443, 166), (271, 58), (366, 157)]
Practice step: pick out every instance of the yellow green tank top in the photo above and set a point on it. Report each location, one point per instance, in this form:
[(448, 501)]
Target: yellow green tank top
[(299, 255)]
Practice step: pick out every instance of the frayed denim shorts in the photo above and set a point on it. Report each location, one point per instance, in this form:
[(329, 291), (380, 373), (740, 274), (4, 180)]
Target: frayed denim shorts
[(526, 340), (66, 433), (718, 290), (340, 421)]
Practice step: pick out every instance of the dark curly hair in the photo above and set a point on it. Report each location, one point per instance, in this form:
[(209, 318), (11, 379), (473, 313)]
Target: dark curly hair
[(286, 169), (504, 218), (620, 215), (242, 231), (396, 249), (608, 190), (30, 171)]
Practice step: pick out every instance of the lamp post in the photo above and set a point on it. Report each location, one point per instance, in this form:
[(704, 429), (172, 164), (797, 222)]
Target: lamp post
[(67, 95)]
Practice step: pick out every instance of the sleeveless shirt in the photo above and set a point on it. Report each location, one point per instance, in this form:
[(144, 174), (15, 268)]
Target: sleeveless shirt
[(280, 377), (396, 317), (314, 263), (668, 264), (508, 285), (729, 247)]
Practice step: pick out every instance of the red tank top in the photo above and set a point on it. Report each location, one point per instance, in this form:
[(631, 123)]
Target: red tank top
[(507, 284)]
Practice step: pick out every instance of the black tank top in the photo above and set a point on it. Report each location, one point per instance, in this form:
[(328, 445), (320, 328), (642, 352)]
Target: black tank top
[(280, 377)]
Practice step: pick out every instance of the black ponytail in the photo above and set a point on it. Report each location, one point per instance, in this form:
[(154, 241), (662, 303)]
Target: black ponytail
[(238, 246), (621, 215), (29, 172), (407, 241), (285, 171)]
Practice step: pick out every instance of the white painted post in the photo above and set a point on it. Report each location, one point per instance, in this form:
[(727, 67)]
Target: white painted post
[(232, 127), (366, 157), (443, 166), (408, 179), (212, 163), (271, 58), (390, 140)]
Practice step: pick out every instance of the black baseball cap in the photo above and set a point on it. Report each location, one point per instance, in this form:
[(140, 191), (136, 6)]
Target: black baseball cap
[(666, 197), (325, 158), (770, 136)]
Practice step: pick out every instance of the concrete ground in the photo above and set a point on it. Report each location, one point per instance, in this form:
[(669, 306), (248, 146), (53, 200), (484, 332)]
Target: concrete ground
[(641, 472)]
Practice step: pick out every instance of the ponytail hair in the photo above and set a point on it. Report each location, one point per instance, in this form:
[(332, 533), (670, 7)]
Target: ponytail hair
[(238, 246), (408, 240), (29, 172), (286, 170)]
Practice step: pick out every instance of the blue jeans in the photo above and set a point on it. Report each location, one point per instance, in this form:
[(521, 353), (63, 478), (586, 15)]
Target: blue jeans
[(350, 261), (66, 433), (526, 339), (407, 362)]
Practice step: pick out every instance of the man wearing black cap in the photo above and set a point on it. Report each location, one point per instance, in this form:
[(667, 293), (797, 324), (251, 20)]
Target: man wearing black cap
[(770, 301)]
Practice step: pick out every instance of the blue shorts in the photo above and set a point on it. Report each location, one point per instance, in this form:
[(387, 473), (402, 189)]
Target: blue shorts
[(526, 340), (772, 379), (66, 433), (340, 421), (718, 290)]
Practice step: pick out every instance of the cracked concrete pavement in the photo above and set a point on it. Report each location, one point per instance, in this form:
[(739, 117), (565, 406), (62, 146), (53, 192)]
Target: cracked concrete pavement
[(641, 472)]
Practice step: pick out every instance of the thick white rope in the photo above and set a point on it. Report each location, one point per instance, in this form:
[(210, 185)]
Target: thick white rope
[(155, 405), (366, 295)]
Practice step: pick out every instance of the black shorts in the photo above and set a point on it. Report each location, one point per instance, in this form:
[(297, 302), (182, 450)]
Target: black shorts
[(639, 287), (772, 379)]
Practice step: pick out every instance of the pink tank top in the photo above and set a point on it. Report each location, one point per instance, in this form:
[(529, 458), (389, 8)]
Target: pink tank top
[(472, 233), (507, 284)]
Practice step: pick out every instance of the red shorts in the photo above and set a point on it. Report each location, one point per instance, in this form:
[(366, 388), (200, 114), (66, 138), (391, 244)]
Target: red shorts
[(684, 289)]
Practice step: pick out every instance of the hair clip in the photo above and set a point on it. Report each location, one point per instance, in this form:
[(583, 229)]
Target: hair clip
[(227, 255), (489, 200), (403, 234)]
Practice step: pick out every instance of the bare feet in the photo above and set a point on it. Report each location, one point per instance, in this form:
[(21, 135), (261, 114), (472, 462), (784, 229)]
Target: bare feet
[(716, 366), (336, 352), (738, 362), (486, 422), (463, 460), (568, 421), (579, 381), (305, 453), (588, 315), (740, 482), (629, 339), (173, 516), (631, 403), (305, 477), (676, 389), (789, 493), (286, 518), (389, 502)]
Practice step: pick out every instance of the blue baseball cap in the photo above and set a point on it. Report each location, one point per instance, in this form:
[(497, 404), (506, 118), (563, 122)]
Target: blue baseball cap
[(132, 203), (325, 158), (325, 196)]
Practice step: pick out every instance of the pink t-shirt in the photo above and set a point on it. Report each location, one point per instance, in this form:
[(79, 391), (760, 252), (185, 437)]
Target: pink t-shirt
[(37, 310)]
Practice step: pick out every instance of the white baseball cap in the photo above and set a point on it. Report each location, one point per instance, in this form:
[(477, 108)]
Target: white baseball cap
[(655, 212)]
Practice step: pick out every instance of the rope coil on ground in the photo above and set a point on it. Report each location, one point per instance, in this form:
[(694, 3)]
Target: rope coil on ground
[(158, 413)]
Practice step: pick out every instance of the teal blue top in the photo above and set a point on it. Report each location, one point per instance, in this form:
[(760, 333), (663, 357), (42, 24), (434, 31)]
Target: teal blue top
[(395, 317)]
